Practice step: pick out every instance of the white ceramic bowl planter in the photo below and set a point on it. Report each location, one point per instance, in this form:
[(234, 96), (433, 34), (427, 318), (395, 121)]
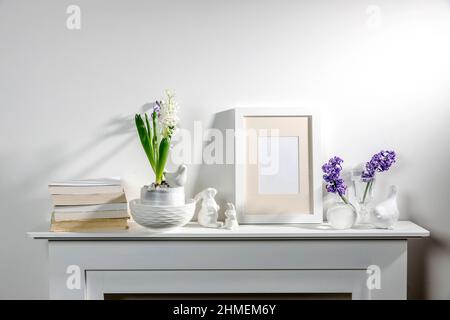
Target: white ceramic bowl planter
[(163, 208), (161, 217)]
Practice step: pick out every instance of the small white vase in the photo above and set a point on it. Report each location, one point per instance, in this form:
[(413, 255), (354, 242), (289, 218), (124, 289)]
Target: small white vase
[(341, 216)]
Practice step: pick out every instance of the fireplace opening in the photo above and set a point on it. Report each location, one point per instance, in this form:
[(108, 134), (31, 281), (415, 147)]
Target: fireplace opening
[(228, 296)]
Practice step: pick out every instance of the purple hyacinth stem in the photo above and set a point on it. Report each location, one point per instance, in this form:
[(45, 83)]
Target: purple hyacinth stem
[(344, 199)]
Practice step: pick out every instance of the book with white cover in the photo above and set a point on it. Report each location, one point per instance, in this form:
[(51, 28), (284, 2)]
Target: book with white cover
[(89, 225), (86, 186), (114, 181), (85, 216), (88, 199), (84, 190), (90, 208)]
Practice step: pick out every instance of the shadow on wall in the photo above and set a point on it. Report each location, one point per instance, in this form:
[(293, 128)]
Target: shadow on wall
[(417, 269), (417, 249), (25, 194), (53, 158), (216, 175), (422, 253)]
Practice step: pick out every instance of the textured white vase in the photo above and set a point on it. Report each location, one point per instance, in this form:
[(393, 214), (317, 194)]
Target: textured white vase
[(386, 213), (341, 216), (161, 218)]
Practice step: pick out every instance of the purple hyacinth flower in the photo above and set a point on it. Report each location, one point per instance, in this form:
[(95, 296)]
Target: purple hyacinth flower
[(157, 107), (380, 162), (332, 176)]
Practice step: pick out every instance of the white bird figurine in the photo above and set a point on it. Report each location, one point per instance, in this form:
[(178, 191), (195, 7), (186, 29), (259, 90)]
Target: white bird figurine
[(177, 178), (386, 213)]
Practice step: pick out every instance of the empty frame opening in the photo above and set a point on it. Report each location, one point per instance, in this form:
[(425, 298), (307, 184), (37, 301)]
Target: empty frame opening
[(278, 162), (278, 168)]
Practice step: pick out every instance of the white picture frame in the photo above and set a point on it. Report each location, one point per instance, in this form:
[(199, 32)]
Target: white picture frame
[(315, 212)]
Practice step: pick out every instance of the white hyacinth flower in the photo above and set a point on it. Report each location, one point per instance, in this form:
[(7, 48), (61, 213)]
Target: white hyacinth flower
[(168, 115)]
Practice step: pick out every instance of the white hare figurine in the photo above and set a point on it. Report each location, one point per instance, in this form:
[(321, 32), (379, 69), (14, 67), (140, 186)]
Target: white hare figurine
[(209, 211), (231, 222), (385, 214)]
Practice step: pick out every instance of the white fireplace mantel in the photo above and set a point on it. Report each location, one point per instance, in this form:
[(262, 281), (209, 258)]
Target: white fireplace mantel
[(255, 259)]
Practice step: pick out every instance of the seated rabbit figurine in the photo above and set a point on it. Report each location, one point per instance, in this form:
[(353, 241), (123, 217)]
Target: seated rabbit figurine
[(231, 222), (208, 214)]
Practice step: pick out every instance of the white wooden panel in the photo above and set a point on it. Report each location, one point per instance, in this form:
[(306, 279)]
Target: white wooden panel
[(389, 255)]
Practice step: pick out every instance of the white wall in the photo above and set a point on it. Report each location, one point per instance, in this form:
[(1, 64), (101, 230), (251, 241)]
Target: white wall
[(66, 98)]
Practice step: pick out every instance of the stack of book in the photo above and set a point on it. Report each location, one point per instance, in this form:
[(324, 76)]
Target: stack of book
[(88, 205)]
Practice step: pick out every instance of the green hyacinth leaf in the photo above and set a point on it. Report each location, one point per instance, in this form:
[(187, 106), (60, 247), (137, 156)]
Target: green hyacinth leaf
[(164, 148), (143, 136), (150, 139), (155, 134), (149, 130)]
